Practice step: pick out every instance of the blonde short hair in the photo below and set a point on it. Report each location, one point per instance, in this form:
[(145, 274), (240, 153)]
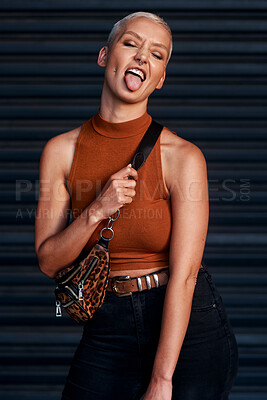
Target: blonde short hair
[(122, 22)]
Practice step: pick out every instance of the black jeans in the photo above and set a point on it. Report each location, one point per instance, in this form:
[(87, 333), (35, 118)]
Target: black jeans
[(115, 356)]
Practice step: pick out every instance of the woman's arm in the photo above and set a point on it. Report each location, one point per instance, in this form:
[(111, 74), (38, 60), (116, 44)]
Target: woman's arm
[(58, 244), (187, 174)]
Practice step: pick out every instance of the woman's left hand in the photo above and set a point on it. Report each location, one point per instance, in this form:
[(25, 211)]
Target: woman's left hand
[(160, 389)]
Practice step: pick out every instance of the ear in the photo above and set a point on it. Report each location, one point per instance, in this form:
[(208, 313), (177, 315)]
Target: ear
[(102, 56), (161, 81)]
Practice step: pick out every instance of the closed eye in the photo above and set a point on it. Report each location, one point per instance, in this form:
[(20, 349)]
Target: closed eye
[(132, 45), (129, 44)]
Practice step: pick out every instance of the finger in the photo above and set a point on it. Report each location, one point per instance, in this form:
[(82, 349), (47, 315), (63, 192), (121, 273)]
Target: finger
[(126, 183), (131, 173), (129, 192), (127, 200), (125, 172), (127, 196)]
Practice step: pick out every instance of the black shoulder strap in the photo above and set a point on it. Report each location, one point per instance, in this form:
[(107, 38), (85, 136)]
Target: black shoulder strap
[(144, 149), (146, 145)]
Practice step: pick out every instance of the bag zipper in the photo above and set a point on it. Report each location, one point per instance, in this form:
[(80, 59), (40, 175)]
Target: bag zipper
[(71, 276), (59, 304), (72, 292), (58, 309), (74, 298), (85, 276)]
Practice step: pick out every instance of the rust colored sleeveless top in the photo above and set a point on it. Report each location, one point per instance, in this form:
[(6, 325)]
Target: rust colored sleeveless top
[(142, 231)]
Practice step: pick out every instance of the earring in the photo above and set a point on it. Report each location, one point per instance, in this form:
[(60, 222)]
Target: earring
[(115, 70)]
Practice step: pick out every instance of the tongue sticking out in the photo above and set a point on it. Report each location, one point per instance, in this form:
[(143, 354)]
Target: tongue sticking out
[(133, 82)]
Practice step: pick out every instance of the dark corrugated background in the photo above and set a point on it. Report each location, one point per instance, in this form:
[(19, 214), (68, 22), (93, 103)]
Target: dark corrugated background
[(214, 95)]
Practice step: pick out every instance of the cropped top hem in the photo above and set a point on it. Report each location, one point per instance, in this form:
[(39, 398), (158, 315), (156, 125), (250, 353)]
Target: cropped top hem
[(137, 265)]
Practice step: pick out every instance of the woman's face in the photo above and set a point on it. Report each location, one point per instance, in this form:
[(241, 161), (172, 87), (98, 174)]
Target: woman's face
[(141, 39)]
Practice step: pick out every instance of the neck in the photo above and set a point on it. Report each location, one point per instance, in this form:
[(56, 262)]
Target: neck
[(115, 110)]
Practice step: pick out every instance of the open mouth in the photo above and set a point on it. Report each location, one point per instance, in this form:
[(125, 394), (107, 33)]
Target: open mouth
[(134, 78), (137, 72)]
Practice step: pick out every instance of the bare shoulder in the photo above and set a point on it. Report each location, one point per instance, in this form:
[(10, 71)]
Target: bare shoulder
[(179, 156), (59, 150)]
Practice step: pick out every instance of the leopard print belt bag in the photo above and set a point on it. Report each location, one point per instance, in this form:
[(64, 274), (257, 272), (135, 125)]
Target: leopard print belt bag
[(80, 288)]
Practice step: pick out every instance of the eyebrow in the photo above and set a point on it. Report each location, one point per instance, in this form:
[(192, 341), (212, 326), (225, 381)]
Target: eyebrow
[(140, 38)]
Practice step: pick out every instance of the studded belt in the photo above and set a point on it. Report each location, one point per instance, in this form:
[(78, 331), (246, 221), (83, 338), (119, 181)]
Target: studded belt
[(125, 285)]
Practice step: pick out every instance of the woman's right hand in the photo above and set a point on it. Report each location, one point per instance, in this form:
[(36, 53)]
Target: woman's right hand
[(118, 191)]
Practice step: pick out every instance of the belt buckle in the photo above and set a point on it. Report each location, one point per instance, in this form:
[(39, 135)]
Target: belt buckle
[(114, 287)]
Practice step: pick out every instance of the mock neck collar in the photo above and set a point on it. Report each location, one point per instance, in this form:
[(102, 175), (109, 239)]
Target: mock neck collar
[(119, 130)]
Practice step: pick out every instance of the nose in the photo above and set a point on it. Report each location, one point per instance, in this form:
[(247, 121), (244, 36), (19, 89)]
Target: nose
[(140, 60), (141, 57)]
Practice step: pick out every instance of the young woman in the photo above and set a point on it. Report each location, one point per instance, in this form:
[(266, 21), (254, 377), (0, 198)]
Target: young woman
[(169, 336)]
